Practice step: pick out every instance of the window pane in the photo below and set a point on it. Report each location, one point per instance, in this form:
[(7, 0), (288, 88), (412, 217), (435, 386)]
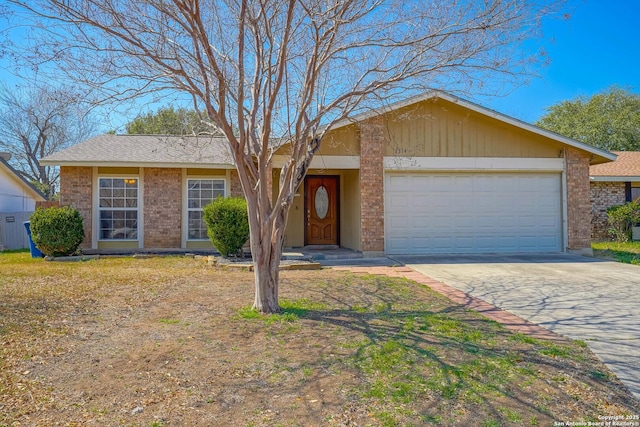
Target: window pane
[(118, 208), (200, 193), (197, 227)]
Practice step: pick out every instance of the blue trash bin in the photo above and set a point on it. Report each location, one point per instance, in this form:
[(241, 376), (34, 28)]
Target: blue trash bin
[(35, 252)]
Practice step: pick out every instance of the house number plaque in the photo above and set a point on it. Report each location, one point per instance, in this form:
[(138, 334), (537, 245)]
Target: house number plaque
[(322, 202)]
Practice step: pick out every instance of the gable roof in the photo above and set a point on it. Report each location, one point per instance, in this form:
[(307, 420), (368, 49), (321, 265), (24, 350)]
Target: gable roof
[(599, 155), (26, 185), (146, 150), (212, 151), (625, 168)]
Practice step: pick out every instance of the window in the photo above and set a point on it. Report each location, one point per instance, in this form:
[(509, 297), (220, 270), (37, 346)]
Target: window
[(635, 193), (118, 209), (200, 193)]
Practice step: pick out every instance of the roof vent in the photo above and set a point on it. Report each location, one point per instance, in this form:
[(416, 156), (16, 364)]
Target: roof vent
[(5, 156)]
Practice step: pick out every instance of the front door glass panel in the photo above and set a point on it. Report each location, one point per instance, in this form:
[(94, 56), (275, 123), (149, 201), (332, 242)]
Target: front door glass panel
[(321, 202)]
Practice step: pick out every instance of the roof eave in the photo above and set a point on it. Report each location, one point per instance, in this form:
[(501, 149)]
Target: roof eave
[(178, 165), (614, 178)]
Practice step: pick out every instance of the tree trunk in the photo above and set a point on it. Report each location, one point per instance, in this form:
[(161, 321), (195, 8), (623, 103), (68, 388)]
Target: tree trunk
[(267, 241), (266, 265)]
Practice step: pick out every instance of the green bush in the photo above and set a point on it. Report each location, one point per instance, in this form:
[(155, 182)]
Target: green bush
[(227, 224), (621, 219), (57, 231)]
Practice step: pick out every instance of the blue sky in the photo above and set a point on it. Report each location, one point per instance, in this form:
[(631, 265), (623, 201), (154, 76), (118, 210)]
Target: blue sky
[(599, 46)]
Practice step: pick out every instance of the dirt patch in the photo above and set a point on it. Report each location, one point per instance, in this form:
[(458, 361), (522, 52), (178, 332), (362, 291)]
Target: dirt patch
[(171, 342)]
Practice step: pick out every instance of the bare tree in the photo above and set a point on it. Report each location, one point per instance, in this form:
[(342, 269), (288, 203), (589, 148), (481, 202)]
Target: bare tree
[(37, 122), (273, 71)]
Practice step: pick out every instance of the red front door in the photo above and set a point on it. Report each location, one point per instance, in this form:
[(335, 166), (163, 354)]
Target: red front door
[(321, 210)]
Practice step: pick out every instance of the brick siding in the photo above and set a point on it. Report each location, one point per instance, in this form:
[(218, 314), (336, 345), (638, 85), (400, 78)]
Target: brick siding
[(372, 186), (235, 187), (162, 208), (47, 204), (75, 191), (578, 203), (603, 196)]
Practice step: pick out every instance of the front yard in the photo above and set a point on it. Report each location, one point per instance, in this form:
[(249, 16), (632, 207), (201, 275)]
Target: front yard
[(628, 252), (171, 342)]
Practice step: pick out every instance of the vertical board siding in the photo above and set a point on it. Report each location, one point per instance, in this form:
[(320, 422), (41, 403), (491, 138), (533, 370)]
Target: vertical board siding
[(439, 128), (13, 235)]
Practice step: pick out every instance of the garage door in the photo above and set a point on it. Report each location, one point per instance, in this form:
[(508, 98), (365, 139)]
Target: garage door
[(472, 213)]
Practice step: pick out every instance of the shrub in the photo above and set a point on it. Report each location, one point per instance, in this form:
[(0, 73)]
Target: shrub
[(57, 231), (227, 224), (621, 219)]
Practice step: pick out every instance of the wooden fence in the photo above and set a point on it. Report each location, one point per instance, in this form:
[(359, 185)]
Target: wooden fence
[(13, 235)]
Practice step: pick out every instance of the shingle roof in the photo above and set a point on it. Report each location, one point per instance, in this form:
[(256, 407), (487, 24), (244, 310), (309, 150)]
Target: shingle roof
[(159, 150), (627, 164)]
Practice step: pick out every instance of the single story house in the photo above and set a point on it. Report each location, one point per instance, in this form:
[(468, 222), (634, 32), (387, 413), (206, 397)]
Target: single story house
[(613, 184), (431, 174), (17, 202)]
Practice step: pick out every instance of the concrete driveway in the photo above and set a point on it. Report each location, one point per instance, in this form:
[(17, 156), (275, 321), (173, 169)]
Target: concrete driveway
[(578, 297)]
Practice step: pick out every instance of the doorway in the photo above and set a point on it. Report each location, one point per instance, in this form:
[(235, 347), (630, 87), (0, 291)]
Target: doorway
[(322, 210)]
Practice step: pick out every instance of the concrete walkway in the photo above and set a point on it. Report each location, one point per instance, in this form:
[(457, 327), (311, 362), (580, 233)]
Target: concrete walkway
[(573, 296)]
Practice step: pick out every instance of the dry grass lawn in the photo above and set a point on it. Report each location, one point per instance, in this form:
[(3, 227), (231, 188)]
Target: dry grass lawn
[(172, 342)]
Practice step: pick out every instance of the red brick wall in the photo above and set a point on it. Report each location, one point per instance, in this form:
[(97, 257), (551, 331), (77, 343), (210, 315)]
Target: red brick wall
[(162, 208), (603, 196), (578, 199), (372, 185), (75, 191), (47, 204), (235, 188)]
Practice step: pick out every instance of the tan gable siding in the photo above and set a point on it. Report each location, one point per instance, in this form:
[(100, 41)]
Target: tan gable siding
[(439, 128), (344, 141)]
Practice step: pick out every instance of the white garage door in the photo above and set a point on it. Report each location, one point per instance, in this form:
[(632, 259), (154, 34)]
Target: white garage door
[(472, 213)]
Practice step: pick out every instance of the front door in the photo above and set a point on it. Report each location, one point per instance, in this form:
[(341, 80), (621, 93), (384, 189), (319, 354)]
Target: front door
[(321, 210)]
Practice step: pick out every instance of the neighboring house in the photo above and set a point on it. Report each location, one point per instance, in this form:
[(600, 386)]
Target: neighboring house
[(613, 184), (17, 202), (433, 174)]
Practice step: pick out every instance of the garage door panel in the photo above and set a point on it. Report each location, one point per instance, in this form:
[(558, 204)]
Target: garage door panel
[(473, 213)]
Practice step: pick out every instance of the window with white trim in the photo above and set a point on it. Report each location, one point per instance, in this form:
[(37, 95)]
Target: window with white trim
[(200, 192), (118, 209)]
